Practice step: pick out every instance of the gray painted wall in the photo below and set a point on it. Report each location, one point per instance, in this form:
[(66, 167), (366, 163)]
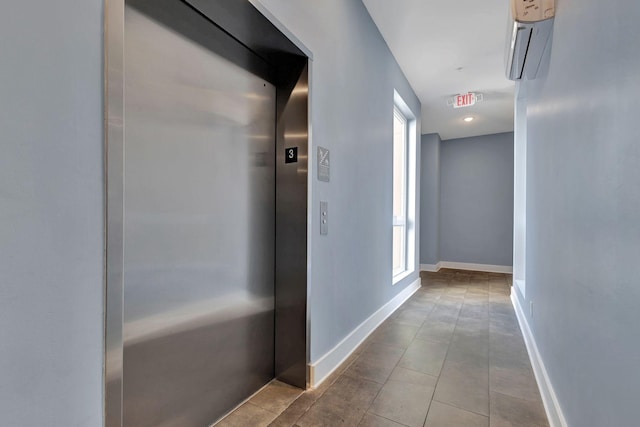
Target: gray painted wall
[(520, 188), (430, 199), (51, 214), (476, 200), (583, 211), (353, 76)]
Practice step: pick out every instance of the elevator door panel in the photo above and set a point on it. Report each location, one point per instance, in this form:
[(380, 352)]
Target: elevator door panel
[(198, 230)]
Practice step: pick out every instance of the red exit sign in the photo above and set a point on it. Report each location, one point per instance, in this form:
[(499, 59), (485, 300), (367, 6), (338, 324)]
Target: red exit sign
[(464, 100)]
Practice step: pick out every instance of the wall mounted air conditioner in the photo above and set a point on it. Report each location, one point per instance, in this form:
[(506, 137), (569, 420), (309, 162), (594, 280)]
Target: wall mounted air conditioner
[(530, 24)]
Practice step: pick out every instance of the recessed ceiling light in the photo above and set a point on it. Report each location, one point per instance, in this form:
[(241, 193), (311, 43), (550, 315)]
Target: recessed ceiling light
[(468, 119)]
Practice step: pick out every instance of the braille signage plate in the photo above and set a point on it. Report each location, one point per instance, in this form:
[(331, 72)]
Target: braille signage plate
[(291, 155), (323, 164)]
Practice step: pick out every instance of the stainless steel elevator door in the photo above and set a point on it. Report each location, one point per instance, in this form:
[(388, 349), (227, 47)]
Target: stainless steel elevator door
[(199, 220)]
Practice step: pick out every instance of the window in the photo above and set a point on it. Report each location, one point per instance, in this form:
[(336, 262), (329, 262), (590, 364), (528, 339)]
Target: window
[(405, 148), (400, 145)]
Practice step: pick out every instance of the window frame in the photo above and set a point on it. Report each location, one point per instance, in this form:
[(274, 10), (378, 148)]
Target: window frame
[(410, 191)]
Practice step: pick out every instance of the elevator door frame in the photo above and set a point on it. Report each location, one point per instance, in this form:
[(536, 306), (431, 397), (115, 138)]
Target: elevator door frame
[(288, 69)]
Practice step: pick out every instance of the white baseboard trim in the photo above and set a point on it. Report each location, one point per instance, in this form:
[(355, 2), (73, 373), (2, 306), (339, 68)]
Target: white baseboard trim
[(487, 268), (548, 394), (477, 267), (430, 267), (320, 370), (522, 287)]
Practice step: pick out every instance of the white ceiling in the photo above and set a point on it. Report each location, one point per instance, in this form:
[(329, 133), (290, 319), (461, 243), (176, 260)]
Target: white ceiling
[(446, 47)]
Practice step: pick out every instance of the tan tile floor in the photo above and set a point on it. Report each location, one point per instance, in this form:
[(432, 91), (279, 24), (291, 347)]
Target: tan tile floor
[(451, 356)]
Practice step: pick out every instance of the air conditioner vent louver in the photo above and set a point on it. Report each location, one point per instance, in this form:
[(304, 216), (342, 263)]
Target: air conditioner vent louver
[(524, 61)]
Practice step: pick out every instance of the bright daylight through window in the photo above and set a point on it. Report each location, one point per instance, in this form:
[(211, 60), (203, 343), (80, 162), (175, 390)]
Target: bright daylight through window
[(400, 145)]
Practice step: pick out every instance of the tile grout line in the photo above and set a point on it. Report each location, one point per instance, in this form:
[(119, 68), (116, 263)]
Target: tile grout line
[(344, 372), (462, 409), (394, 367), (447, 353), (435, 387), (320, 396)]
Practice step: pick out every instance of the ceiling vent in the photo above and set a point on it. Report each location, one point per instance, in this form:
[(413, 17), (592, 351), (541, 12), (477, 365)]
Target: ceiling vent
[(530, 24)]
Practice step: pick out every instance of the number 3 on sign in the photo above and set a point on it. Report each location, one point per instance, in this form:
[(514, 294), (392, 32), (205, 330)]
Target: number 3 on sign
[(291, 155)]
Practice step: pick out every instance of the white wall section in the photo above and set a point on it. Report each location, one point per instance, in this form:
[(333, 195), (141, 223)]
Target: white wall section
[(51, 214), (467, 202), (430, 198), (583, 205)]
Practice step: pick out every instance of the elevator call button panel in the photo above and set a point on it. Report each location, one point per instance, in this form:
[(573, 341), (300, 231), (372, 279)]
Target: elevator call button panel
[(324, 218)]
